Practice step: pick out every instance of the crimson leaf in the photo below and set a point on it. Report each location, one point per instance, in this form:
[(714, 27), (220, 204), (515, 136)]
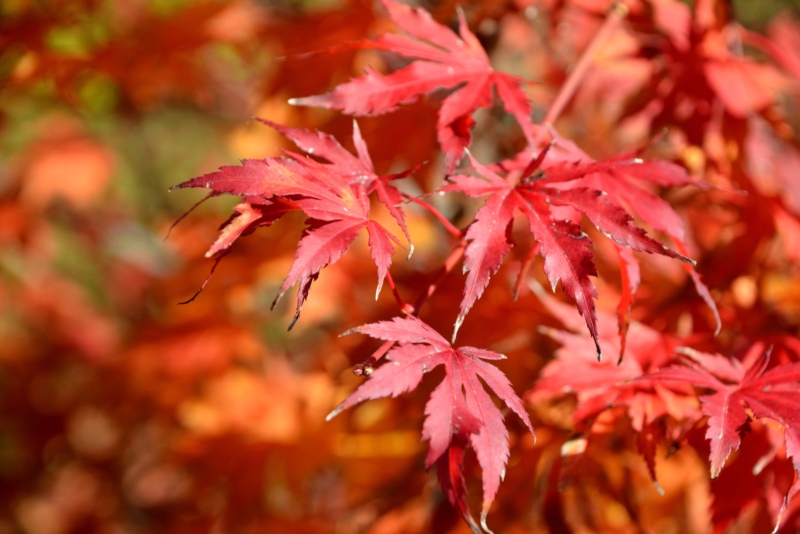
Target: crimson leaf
[(459, 410), (443, 60), (599, 386), (565, 248), (334, 196)]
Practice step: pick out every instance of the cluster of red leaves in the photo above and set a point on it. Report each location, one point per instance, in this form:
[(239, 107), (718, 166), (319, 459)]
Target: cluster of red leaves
[(551, 189), (334, 197), (172, 417)]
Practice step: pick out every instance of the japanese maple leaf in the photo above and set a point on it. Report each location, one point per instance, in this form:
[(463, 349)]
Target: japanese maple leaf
[(657, 411), (740, 392), (565, 248), (361, 169), (608, 384), (442, 60), (460, 411), (334, 197), (769, 478), (626, 186)]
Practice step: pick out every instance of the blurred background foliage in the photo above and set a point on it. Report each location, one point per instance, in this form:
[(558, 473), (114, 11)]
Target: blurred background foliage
[(122, 411)]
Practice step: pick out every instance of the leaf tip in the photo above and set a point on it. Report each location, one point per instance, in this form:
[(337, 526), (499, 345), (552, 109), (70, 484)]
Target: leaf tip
[(294, 320), (295, 101), (336, 411), (410, 250), (351, 331), (456, 327), (484, 514)]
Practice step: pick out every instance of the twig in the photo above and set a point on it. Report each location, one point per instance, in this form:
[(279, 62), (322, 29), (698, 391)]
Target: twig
[(451, 229), (615, 15), (366, 367)]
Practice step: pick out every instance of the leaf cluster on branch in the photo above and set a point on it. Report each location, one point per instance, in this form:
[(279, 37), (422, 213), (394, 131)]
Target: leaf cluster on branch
[(700, 85)]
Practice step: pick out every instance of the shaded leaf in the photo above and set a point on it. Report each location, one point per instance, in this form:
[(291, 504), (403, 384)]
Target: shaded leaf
[(768, 394)]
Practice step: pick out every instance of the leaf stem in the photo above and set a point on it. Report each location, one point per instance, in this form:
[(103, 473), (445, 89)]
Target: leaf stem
[(616, 14), (397, 297), (366, 367), (451, 229), (451, 261)]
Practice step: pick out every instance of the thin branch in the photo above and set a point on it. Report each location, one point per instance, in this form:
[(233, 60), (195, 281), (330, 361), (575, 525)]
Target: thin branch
[(366, 367), (451, 229), (397, 297), (615, 15), (451, 261)]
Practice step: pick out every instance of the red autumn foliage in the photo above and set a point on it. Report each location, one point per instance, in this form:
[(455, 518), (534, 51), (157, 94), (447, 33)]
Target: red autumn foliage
[(444, 61), (764, 394), (539, 143)]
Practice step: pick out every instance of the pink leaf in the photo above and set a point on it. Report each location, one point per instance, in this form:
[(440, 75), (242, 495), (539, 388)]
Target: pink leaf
[(442, 60), (333, 194), (460, 409)]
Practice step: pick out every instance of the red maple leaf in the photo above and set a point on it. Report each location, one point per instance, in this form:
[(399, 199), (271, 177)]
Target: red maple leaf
[(360, 168), (611, 383), (625, 185), (247, 216), (741, 391), (443, 60), (565, 248), (657, 411), (460, 411), (333, 195)]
